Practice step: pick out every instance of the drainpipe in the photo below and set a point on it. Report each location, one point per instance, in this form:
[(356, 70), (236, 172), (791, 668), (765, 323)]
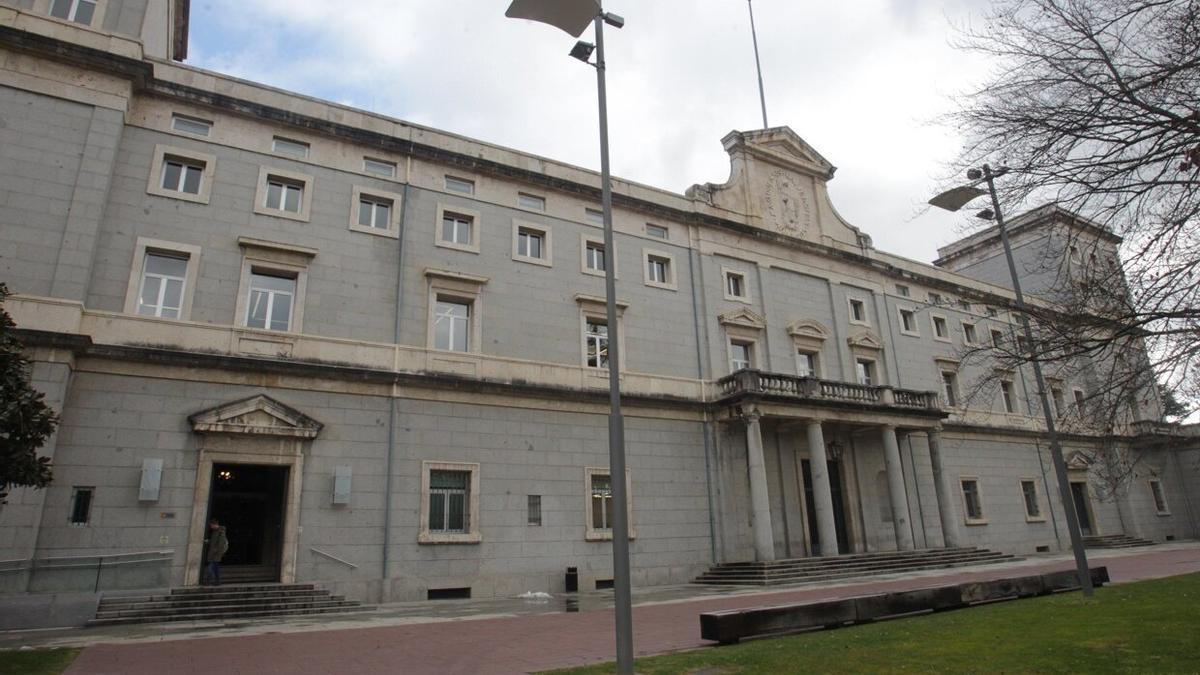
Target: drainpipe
[(698, 317), (384, 593)]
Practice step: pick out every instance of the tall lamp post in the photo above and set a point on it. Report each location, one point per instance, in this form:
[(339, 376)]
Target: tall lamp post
[(953, 200), (573, 16)]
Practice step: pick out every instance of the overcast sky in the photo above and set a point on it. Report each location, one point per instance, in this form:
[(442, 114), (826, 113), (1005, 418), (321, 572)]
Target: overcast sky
[(859, 80)]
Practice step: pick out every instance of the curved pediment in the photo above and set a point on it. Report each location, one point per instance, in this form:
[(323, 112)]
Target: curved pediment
[(807, 328), (742, 318), (865, 340), (257, 416)]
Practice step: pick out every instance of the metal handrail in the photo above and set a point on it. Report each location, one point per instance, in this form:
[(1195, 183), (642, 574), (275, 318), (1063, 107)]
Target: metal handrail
[(333, 557)]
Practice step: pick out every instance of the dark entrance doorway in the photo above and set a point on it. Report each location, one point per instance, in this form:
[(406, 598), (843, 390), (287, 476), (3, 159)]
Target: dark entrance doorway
[(839, 512), (248, 500), (1079, 495)]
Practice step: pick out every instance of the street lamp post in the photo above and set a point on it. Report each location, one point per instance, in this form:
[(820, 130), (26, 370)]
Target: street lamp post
[(953, 200), (573, 16)]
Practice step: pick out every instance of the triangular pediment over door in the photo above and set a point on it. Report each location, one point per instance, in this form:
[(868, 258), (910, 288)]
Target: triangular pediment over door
[(256, 416)]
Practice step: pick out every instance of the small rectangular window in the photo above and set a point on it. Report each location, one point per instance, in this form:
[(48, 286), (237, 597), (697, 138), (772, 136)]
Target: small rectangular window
[(1033, 507), (741, 356), (1060, 404), (81, 505), (594, 256), (858, 311), (531, 202), (596, 343), (971, 499), (657, 231), (449, 511), (969, 335), (452, 325), (79, 11), (180, 175), (997, 339), (531, 243), (602, 502), (865, 370), (534, 515), (466, 187), (379, 167), (1160, 497), (374, 212), (161, 292), (806, 364), (1077, 394), (658, 269), (271, 298), (902, 291), (908, 321), (735, 285), (950, 387), (286, 146), (940, 330), (1009, 396), (457, 228), (283, 195), (594, 216), (191, 125)]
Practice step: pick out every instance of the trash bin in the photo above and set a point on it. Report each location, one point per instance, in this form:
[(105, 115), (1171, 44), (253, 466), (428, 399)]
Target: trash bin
[(572, 579)]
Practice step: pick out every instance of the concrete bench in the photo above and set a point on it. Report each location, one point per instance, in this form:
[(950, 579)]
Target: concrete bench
[(729, 626)]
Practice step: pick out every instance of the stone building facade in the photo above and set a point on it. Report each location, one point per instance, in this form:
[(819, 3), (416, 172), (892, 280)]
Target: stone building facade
[(377, 350)]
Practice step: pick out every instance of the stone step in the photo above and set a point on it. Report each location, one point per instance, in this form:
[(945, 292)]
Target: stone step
[(836, 567), (211, 602), (857, 571), (851, 564), (258, 614), (155, 613), (877, 555), (832, 576), (210, 597), (239, 588), (218, 603)]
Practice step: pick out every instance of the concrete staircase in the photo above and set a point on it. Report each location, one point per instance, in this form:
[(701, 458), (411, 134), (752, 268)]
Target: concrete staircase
[(802, 570), (219, 603), (1115, 541)]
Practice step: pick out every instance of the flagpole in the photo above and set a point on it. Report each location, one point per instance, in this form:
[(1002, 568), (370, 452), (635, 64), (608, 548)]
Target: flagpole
[(762, 97)]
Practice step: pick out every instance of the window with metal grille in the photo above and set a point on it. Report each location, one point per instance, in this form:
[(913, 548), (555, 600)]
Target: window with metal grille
[(602, 502), (161, 291), (534, 516), (81, 505), (448, 494)]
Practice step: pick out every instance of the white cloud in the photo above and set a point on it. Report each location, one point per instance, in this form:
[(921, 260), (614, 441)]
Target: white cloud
[(858, 80)]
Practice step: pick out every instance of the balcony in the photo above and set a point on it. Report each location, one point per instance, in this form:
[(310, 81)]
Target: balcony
[(814, 390)]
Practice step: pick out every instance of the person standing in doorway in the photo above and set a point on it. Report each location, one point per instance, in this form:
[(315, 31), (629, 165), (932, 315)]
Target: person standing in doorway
[(218, 544)]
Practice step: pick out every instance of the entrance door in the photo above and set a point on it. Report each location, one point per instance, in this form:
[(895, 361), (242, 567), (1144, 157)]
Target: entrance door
[(248, 500), (839, 513), (1079, 495)]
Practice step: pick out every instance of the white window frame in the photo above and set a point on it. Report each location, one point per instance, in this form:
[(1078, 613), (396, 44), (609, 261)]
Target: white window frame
[(531, 202), (165, 153), (591, 533), (968, 340), (1159, 495), (188, 119), (751, 349), (726, 273), (472, 533), (866, 316), (267, 257), (903, 290), (359, 193), (595, 309), (272, 298), (658, 231), (814, 358), (290, 147), (463, 186), (547, 259), (944, 334), (1008, 397), (1040, 517), (962, 493), (915, 331), (146, 245), (455, 287), (872, 371), (42, 7), (584, 240), (268, 174), (381, 163), (671, 282), (476, 228)]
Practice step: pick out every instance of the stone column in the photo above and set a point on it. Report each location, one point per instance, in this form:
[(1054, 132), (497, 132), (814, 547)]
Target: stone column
[(822, 493), (764, 539), (941, 487), (896, 491)]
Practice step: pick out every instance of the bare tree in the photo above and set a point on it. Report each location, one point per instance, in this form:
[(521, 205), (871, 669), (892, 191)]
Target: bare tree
[(1095, 105)]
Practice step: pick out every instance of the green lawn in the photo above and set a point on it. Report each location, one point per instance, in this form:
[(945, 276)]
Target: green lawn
[(36, 661), (1144, 627)]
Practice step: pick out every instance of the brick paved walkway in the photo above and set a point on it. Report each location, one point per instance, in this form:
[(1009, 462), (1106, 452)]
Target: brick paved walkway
[(527, 643)]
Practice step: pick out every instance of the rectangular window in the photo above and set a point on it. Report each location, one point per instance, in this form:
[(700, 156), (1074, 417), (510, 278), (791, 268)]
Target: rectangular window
[(1060, 404), (79, 11), (596, 343), (601, 501), (534, 510), (285, 146), (1077, 394), (657, 231), (940, 330), (865, 370), (191, 125), (950, 387), (452, 325), (161, 291), (1160, 497), (908, 321), (374, 212), (1022, 345), (969, 335), (530, 243), (283, 195), (902, 291), (971, 499), (531, 202), (858, 311), (658, 270), (457, 228), (735, 285), (466, 187), (997, 339), (806, 364), (741, 356), (379, 167), (594, 216), (270, 303), (181, 176), (1006, 393), (81, 505), (594, 256), (449, 507), (1033, 506)]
